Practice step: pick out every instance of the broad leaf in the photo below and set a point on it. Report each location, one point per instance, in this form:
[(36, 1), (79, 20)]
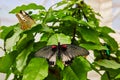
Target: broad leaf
[(39, 45), (44, 37), (50, 16), (89, 35), (108, 64), (110, 41), (104, 76), (6, 62), (10, 42), (23, 42), (5, 32), (111, 74), (91, 46), (60, 64), (77, 71), (63, 39), (31, 6), (118, 76), (37, 69), (22, 57), (105, 29)]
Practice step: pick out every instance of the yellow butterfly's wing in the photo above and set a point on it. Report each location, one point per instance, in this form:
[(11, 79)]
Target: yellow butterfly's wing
[(25, 20)]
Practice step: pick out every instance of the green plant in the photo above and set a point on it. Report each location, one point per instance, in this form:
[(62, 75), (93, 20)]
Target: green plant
[(68, 22)]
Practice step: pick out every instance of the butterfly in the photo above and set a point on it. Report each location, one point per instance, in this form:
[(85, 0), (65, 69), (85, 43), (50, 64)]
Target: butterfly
[(65, 52), (25, 20)]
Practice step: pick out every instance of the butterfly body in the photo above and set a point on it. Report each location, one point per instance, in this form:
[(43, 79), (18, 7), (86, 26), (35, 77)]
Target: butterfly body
[(64, 52)]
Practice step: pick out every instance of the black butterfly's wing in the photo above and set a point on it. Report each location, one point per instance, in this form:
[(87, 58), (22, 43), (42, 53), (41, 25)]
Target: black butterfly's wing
[(48, 52), (68, 52)]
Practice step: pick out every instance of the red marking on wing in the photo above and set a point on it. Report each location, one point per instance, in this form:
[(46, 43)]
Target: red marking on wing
[(53, 47), (64, 46)]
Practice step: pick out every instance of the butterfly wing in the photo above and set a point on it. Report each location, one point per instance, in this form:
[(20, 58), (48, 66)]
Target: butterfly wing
[(69, 51), (25, 20), (48, 53)]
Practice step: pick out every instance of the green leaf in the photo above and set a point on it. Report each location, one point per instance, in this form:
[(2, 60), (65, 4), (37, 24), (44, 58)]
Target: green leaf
[(69, 74), (118, 76), (78, 70), (35, 28), (51, 77), (91, 24), (110, 41), (45, 28), (50, 16), (5, 31), (60, 64), (91, 46), (105, 29), (39, 45), (6, 62), (63, 39), (88, 24), (61, 3), (70, 18), (10, 42), (108, 64), (44, 37), (110, 74), (104, 76), (22, 57), (24, 41), (37, 69), (31, 6), (89, 35)]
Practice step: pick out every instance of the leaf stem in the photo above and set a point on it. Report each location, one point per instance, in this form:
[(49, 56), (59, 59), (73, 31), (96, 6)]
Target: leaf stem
[(4, 47), (108, 75)]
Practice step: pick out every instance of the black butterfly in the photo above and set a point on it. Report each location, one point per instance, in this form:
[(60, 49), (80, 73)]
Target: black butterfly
[(65, 52)]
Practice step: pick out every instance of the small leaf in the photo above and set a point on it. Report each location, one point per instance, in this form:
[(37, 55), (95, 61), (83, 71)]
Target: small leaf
[(27, 7), (63, 39), (108, 64), (22, 58), (37, 69)]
